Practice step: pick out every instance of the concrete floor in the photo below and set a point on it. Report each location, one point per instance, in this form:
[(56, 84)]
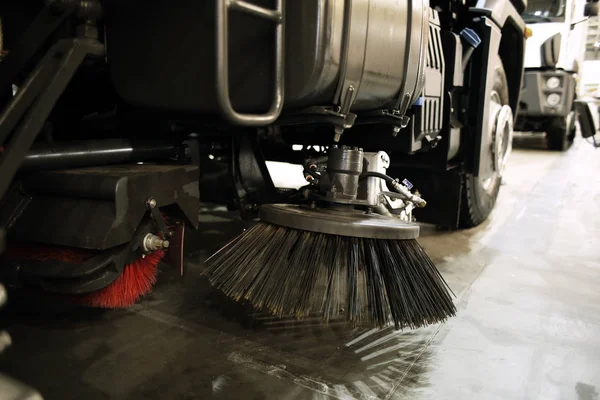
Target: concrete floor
[(528, 323)]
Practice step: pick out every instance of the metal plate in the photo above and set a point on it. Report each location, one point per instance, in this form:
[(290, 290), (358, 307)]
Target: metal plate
[(100, 207), (323, 220)]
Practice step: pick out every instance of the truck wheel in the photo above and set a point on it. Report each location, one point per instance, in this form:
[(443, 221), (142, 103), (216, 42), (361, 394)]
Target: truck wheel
[(479, 195), (560, 132)]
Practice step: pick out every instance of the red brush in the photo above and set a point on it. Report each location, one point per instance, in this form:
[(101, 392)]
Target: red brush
[(137, 278), (136, 281)]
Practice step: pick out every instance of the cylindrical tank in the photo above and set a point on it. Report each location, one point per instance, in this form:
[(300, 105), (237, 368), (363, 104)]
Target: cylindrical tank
[(162, 54)]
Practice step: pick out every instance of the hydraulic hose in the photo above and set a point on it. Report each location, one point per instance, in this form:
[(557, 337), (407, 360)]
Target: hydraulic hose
[(397, 186)]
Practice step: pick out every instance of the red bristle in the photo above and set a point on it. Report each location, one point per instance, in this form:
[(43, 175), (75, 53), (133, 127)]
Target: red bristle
[(33, 252), (136, 280)]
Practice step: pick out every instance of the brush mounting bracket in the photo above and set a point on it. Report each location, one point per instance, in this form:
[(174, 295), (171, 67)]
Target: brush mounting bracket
[(341, 183), (98, 207), (344, 167)]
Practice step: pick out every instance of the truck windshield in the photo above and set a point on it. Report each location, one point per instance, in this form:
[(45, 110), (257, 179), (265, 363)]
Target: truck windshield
[(544, 11)]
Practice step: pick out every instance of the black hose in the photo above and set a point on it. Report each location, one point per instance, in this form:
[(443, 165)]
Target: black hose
[(397, 187), (313, 174), (370, 174)]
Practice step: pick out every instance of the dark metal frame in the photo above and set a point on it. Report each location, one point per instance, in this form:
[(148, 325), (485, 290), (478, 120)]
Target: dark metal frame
[(251, 178), (100, 207), (26, 113), (44, 24)]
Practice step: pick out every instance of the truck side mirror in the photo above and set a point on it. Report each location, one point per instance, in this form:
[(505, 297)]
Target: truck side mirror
[(592, 8)]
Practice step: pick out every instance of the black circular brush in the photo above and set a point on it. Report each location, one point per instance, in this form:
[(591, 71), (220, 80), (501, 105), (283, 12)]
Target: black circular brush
[(363, 267)]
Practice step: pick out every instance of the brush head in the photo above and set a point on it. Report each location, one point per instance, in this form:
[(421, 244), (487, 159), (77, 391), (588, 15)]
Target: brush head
[(291, 271), (135, 280)]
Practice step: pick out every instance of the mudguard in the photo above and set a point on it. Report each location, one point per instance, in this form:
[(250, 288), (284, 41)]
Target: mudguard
[(501, 29)]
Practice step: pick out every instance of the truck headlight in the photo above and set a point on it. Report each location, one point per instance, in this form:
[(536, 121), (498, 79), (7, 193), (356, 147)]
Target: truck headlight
[(553, 82), (553, 99)]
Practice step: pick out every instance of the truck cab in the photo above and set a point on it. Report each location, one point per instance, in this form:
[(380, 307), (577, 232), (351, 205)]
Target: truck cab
[(553, 56)]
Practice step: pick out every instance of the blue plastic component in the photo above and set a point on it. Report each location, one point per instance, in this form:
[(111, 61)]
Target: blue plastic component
[(471, 37), (407, 183), (418, 102)]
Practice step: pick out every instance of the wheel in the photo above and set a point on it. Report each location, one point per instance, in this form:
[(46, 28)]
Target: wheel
[(478, 194), (560, 132)]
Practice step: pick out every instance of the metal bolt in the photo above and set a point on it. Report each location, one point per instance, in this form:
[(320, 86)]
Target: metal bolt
[(345, 147), (338, 130), (5, 340), (355, 148), (313, 205), (335, 146), (151, 202), (395, 131), (3, 295), (152, 242)]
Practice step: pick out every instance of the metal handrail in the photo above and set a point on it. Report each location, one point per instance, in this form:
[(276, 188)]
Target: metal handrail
[(276, 16)]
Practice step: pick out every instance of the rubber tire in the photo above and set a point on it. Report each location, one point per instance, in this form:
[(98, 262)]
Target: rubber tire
[(557, 137), (476, 203), (571, 137)]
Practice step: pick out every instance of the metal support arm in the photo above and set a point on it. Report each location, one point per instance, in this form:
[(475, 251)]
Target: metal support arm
[(36, 99)]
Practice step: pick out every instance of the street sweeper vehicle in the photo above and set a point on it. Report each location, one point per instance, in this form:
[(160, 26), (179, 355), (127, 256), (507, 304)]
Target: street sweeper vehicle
[(553, 59), (119, 116)]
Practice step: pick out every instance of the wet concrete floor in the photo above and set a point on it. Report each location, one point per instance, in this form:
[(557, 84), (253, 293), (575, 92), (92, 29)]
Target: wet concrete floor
[(528, 323)]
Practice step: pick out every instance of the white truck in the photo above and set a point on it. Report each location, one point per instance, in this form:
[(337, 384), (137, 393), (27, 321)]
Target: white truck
[(553, 57)]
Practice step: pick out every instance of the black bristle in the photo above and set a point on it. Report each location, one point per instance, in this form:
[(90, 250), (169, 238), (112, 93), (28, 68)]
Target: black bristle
[(289, 271)]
